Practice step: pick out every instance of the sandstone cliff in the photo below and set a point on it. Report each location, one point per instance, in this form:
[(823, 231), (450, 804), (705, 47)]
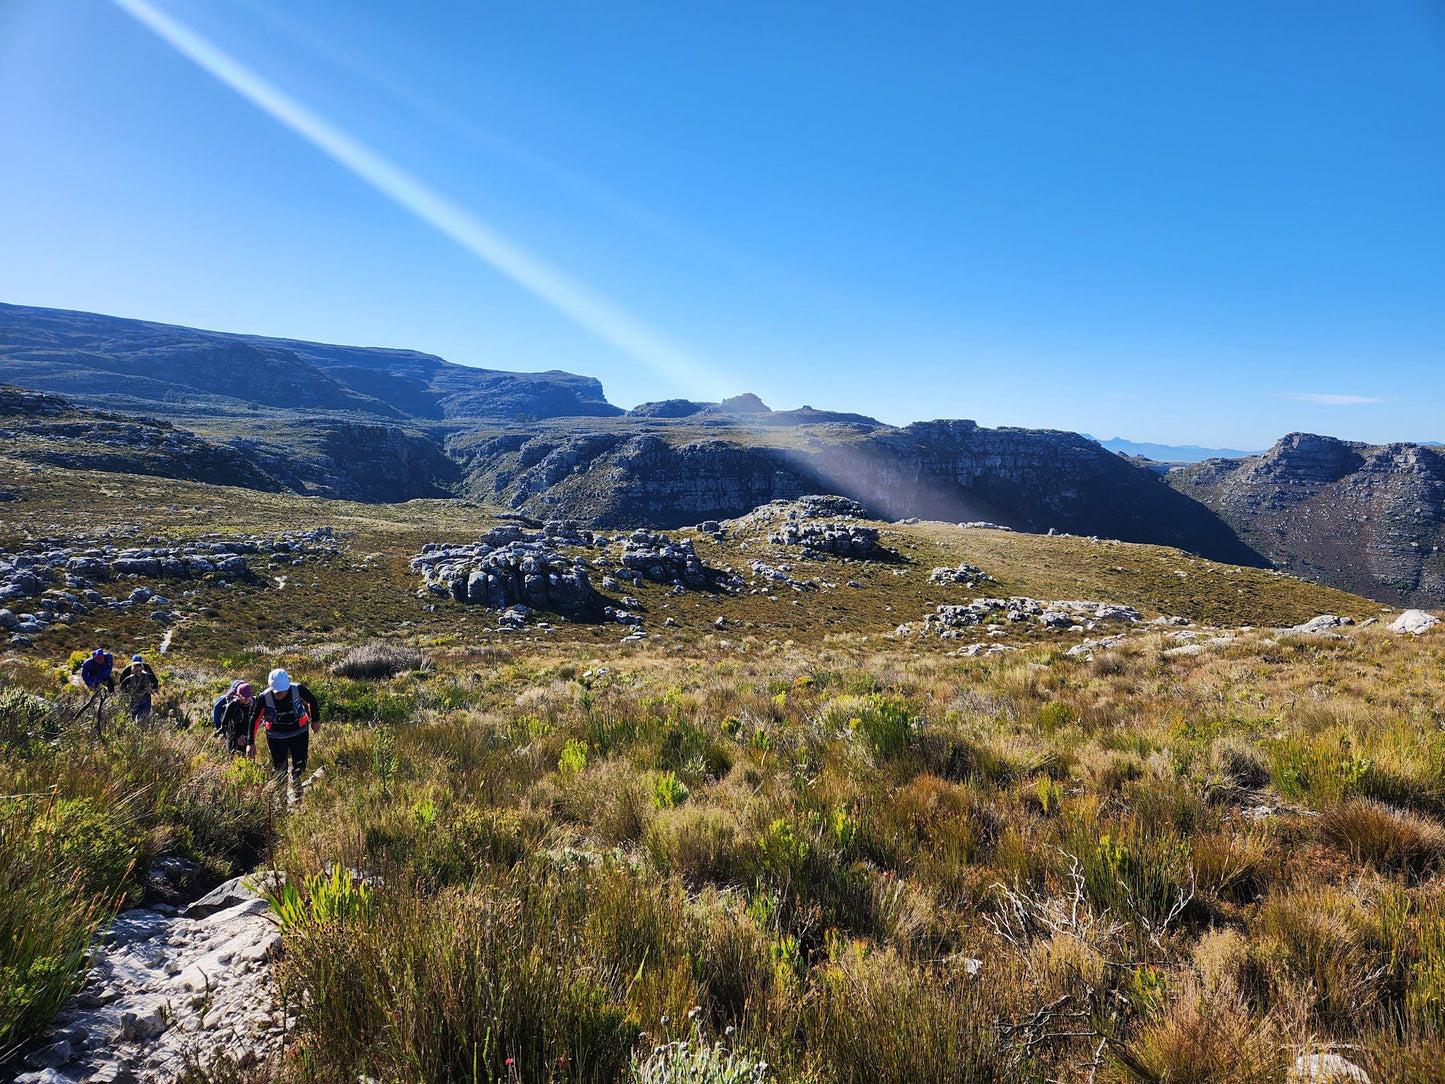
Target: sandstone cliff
[(670, 475), (1369, 519)]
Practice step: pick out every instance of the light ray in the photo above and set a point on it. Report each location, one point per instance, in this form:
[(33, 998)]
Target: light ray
[(580, 303)]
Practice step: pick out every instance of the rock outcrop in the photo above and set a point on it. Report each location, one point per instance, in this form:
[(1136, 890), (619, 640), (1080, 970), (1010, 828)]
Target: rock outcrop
[(658, 558), (949, 621), (517, 572), (57, 580), (822, 537), (168, 991), (961, 576), (1366, 518)]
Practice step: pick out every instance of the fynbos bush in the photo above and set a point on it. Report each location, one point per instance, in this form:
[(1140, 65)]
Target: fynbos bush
[(379, 660)]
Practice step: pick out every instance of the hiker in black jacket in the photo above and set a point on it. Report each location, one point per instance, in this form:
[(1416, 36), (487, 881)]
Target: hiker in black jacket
[(138, 682), (236, 713), (289, 714)]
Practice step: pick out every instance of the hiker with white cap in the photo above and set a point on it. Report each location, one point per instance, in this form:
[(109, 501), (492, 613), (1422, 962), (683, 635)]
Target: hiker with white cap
[(289, 713)]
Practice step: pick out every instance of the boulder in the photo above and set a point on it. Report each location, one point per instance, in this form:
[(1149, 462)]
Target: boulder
[(1414, 622), (1322, 623), (222, 898)]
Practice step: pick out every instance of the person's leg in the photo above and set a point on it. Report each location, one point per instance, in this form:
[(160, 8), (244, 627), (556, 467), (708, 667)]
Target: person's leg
[(299, 746), (280, 755)]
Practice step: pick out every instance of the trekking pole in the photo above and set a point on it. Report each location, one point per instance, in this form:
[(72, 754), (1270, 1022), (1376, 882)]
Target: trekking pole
[(84, 707), (100, 714)]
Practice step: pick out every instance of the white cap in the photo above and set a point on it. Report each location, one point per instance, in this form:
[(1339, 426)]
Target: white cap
[(279, 681)]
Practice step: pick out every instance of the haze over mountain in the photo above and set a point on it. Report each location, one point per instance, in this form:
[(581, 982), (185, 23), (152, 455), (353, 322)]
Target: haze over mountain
[(1169, 453)]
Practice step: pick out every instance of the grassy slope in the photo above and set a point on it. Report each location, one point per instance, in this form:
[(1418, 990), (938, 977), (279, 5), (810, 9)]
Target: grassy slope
[(381, 599), (860, 815)]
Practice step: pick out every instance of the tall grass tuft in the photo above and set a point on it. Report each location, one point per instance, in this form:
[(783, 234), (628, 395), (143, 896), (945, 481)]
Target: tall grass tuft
[(378, 660), (1391, 840)]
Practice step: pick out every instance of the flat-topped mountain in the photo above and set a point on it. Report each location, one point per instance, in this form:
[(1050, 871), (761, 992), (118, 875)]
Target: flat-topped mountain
[(1366, 518), (140, 365)]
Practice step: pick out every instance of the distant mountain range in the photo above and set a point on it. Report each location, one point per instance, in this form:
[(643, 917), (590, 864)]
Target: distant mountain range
[(1170, 453), (381, 424)]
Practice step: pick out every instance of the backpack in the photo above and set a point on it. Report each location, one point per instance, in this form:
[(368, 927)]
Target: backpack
[(294, 716)]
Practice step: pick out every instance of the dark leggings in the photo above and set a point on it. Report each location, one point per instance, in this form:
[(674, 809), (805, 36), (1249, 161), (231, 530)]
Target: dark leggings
[(292, 749)]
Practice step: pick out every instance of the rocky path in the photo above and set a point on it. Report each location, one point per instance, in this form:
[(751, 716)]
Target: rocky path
[(168, 989)]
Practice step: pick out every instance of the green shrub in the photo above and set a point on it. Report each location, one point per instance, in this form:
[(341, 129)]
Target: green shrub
[(668, 791), (886, 724), (574, 757), (47, 916), (22, 717), (84, 838), (325, 898)]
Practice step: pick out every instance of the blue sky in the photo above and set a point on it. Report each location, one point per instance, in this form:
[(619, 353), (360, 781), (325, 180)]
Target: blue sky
[(1208, 222)]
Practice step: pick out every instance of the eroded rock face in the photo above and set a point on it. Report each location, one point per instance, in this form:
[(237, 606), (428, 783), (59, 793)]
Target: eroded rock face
[(1365, 518), (718, 468), (46, 429), (168, 988)]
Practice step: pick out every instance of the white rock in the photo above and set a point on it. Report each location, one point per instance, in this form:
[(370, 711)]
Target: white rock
[(1323, 623), (1414, 622), (1326, 1069)]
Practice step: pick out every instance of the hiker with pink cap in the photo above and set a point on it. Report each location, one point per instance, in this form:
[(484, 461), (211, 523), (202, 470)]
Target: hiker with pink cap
[(234, 724)]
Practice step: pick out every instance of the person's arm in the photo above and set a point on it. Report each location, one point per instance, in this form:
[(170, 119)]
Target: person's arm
[(256, 713), (313, 709)]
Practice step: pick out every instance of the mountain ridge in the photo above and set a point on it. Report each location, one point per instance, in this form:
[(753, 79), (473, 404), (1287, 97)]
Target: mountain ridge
[(1369, 518), (381, 424)]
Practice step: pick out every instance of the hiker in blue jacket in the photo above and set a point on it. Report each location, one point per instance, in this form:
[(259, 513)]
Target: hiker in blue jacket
[(98, 670)]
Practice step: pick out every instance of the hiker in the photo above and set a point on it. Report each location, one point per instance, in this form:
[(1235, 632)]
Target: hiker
[(234, 728), (98, 671), (218, 709), (289, 713), (137, 683)]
